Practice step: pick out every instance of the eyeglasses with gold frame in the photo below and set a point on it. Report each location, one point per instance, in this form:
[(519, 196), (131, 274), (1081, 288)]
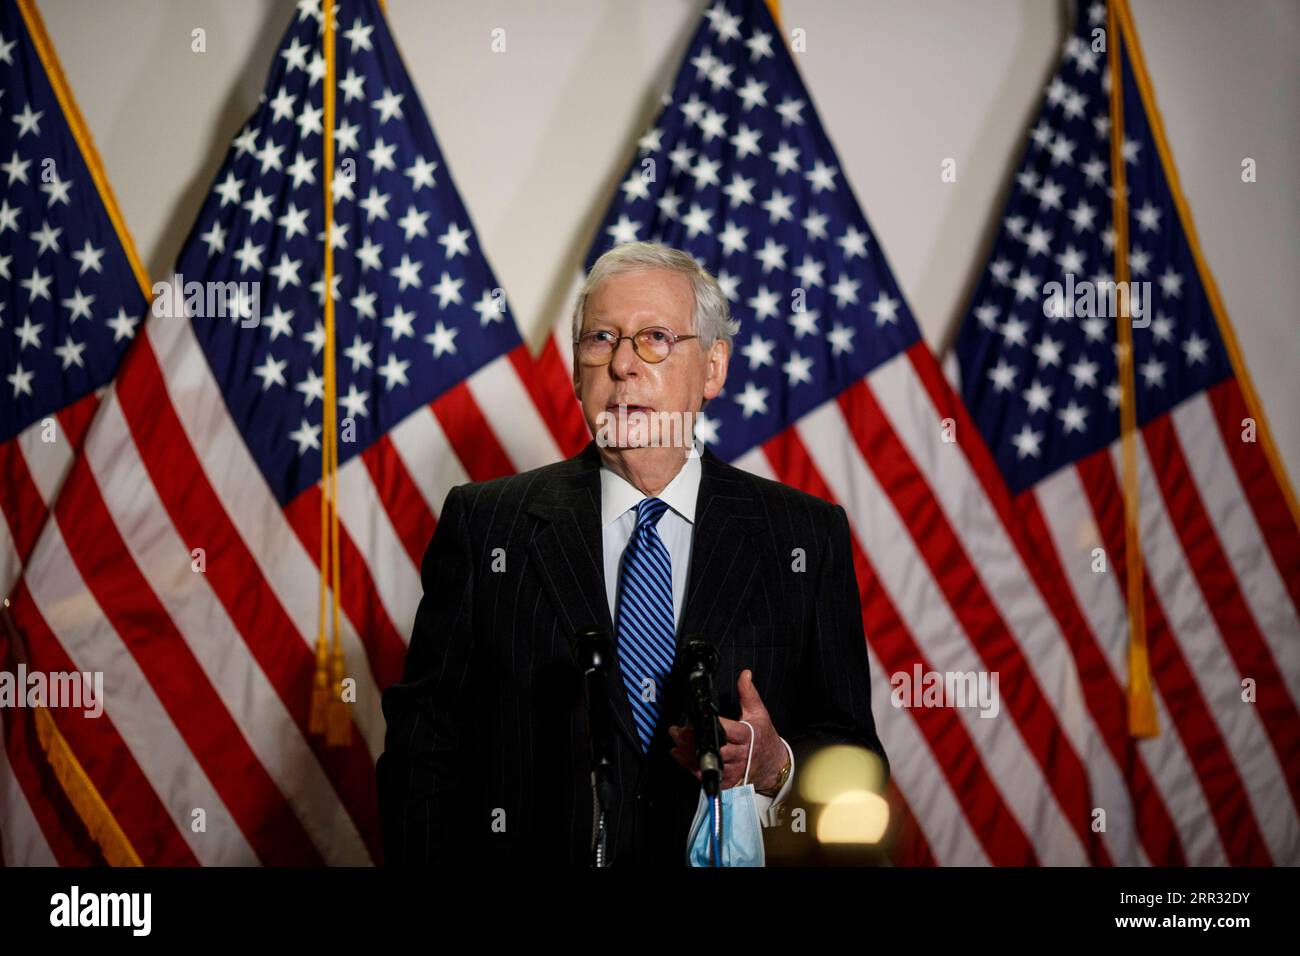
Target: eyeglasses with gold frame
[(652, 344)]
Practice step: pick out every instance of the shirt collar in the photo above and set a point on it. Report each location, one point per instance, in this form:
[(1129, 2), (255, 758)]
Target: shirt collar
[(617, 495)]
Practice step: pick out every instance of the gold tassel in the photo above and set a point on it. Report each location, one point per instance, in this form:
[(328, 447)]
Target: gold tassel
[(81, 793), (339, 732), (320, 691), (1142, 721)]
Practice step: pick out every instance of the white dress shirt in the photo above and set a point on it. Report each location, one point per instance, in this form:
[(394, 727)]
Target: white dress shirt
[(676, 527)]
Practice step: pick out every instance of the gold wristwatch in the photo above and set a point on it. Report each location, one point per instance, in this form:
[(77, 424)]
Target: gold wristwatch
[(781, 777)]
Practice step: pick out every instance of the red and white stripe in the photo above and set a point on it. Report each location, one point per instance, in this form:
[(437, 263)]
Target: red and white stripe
[(33, 466), (1221, 606), (208, 674), (553, 375)]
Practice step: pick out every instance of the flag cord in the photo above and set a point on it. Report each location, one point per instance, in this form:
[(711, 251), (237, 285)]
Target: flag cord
[(1141, 699), (329, 711)]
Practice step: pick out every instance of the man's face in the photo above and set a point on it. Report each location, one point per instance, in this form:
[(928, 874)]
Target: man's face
[(625, 304)]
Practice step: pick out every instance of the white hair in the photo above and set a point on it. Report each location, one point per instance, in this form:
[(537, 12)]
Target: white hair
[(712, 316)]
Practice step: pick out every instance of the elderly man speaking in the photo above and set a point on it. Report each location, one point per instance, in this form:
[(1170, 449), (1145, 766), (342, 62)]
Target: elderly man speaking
[(654, 542)]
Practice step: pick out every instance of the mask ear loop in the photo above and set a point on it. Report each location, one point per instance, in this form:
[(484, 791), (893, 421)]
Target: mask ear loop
[(750, 758)]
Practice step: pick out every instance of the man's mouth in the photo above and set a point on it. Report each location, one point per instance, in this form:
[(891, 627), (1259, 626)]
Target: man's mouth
[(615, 406)]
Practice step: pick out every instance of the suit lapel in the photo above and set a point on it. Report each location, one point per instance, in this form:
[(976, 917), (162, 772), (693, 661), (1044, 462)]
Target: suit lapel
[(568, 546), (569, 556), (722, 568)]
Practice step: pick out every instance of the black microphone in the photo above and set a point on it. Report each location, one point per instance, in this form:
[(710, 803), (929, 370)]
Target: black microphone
[(701, 660), (594, 653)]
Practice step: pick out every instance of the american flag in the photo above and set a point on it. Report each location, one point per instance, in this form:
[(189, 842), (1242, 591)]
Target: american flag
[(72, 285), (182, 561), (832, 390), (71, 292), (1217, 526)]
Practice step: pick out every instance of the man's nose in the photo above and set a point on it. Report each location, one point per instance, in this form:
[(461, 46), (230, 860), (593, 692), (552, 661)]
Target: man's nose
[(624, 361)]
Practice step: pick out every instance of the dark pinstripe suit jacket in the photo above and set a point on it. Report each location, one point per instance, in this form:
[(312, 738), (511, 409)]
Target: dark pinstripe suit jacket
[(486, 756)]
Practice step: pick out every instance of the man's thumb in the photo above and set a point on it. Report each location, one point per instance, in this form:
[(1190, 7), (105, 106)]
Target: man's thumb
[(749, 699)]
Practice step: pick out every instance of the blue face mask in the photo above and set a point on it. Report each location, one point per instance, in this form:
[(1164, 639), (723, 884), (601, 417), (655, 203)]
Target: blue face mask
[(742, 829)]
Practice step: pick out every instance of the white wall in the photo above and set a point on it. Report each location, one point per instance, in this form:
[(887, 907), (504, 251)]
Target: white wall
[(537, 137)]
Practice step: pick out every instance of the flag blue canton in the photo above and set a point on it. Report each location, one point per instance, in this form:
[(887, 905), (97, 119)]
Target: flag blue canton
[(738, 171), (417, 309), (1042, 383), (69, 300)]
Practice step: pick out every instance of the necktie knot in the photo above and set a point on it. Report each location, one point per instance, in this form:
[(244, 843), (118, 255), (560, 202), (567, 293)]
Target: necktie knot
[(648, 513)]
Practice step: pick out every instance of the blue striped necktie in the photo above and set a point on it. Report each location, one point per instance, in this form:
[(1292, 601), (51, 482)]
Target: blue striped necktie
[(646, 633)]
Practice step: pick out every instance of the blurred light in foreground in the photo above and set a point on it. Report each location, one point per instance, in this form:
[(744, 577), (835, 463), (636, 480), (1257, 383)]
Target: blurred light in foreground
[(857, 816), (847, 782), (840, 769)]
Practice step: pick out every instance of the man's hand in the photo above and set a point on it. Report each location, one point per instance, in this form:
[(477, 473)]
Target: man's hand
[(769, 753)]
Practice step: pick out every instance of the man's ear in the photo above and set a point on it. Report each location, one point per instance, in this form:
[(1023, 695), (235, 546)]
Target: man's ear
[(716, 373)]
